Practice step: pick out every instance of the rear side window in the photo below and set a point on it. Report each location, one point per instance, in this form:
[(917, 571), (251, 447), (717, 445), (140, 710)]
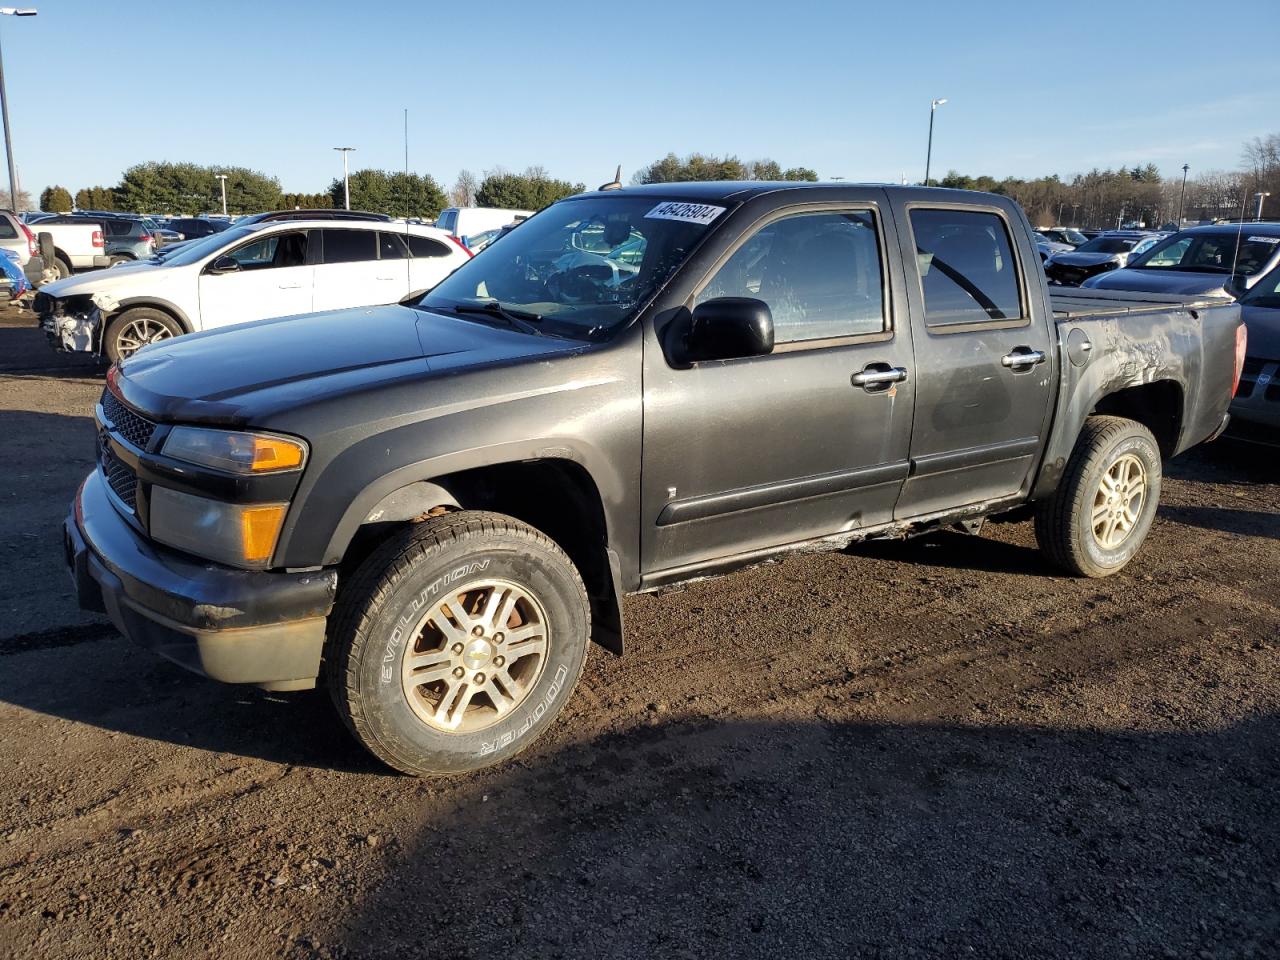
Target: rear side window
[(391, 247), (349, 246), (967, 269), (820, 274), (426, 247), (7, 230), (118, 228)]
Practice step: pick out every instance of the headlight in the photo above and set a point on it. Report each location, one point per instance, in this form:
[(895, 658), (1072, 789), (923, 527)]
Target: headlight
[(244, 453), (240, 534)]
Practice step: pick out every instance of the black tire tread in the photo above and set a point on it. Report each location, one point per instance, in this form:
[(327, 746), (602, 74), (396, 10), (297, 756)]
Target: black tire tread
[(350, 629), (1055, 533)]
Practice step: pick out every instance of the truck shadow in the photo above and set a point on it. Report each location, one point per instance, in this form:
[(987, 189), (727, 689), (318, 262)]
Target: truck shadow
[(749, 839), (959, 551), (1249, 523)]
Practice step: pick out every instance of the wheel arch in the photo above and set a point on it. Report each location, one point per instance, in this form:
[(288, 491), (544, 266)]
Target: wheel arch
[(1159, 406), (155, 303), (555, 495)]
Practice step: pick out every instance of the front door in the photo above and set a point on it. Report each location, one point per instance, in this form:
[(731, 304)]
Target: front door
[(272, 278), (984, 360), (809, 440)]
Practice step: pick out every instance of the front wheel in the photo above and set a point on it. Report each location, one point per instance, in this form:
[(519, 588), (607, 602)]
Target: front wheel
[(1106, 502), (457, 642), (134, 329)]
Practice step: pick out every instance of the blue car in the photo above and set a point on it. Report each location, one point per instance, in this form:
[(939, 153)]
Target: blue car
[(14, 278)]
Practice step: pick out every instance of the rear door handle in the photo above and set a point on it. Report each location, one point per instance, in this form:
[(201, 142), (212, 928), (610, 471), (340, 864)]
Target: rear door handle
[(388, 278), (875, 377), (290, 286), (1021, 357)]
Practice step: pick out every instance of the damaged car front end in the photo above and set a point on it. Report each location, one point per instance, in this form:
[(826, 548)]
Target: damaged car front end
[(75, 323)]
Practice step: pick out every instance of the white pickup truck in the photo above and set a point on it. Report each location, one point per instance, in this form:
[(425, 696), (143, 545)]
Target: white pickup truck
[(70, 247)]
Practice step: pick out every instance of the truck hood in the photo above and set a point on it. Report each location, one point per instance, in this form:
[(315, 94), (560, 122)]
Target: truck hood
[(233, 377), (1074, 259), (1263, 324), (1161, 281)]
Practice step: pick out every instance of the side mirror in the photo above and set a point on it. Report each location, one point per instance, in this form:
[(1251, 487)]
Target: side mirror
[(730, 327), (225, 265), (1238, 285)]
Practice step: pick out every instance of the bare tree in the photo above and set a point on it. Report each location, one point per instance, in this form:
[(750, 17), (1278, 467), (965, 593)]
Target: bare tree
[(464, 190), (24, 201)]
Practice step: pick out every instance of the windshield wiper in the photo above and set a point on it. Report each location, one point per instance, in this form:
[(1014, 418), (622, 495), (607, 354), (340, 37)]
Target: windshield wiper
[(516, 319)]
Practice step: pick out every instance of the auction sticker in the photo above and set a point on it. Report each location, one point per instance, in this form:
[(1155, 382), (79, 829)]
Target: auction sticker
[(702, 213), (1264, 239)]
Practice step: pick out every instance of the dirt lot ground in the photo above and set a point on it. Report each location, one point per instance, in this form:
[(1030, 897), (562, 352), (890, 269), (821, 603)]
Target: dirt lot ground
[(938, 748)]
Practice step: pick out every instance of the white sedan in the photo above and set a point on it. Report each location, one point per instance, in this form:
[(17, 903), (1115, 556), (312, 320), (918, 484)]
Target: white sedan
[(251, 272)]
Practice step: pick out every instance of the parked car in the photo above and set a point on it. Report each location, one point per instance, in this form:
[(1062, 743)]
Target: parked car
[(481, 240), (1255, 412), (249, 272), (1108, 252), (73, 245), (13, 281), (193, 228), (1068, 235), (17, 238), (1049, 247), (125, 238), (440, 504), (1219, 261), (468, 221)]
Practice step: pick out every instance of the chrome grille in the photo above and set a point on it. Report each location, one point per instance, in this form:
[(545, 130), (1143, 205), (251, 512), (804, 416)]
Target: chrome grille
[(125, 423)]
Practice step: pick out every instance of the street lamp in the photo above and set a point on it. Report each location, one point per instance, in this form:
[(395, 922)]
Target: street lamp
[(1261, 197), (223, 178), (4, 107), (933, 107), (1182, 196), (346, 175)]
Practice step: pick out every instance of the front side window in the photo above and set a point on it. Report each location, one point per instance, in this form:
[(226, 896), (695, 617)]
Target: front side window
[(581, 268), (277, 250), (1212, 253), (349, 246), (967, 269), (448, 220), (820, 274)]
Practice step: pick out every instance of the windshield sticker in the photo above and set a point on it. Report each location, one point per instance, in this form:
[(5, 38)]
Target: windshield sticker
[(702, 213), (1264, 239)]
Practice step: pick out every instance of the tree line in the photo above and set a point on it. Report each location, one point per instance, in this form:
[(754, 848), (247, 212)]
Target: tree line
[(1098, 198)]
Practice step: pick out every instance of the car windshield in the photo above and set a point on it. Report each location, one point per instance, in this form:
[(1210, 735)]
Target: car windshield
[(581, 268), (1211, 252), (1106, 245), (199, 249), (1266, 292)]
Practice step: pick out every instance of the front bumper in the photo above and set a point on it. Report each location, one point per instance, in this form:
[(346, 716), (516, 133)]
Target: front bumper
[(74, 332), (237, 626)]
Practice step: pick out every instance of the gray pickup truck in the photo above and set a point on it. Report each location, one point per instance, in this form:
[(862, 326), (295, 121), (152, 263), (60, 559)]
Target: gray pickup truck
[(433, 507)]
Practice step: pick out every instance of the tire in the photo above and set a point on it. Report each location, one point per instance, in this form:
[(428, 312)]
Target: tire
[(62, 267), (119, 259), (1091, 530), (134, 329), (411, 595)]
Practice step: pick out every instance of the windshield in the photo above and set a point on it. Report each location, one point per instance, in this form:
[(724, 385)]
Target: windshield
[(1266, 292), (1211, 253), (582, 267), (199, 249), (1105, 245)]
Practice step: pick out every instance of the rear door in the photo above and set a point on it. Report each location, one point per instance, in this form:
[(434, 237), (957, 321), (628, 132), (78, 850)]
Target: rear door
[(809, 440), (349, 273), (985, 363), (274, 279)]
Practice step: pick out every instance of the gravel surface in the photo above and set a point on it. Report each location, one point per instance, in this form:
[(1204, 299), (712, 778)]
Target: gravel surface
[(932, 748)]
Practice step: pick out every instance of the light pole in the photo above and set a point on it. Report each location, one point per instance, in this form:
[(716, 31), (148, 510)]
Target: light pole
[(346, 175), (223, 178), (1075, 220), (1261, 197), (928, 157), (1183, 195), (4, 108)]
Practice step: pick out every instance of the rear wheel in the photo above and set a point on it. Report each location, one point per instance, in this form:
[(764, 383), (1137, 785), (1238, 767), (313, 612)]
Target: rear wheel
[(1106, 502), (134, 329), (457, 642)]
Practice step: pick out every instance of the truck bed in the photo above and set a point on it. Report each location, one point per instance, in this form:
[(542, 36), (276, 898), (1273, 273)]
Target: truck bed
[(1076, 303)]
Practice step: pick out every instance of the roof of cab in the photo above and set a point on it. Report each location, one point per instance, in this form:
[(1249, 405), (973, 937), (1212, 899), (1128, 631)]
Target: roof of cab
[(721, 191)]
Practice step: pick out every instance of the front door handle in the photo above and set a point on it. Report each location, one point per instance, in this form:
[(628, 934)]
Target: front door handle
[(1022, 357), (290, 286), (875, 377)]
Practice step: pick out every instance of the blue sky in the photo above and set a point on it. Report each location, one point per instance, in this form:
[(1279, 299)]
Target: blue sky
[(842, 87)]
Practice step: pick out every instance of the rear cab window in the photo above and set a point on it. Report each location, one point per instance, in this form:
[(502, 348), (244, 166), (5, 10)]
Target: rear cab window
[(968, 271)]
